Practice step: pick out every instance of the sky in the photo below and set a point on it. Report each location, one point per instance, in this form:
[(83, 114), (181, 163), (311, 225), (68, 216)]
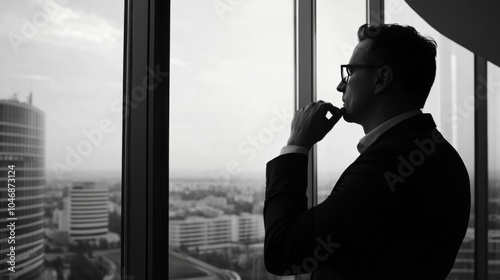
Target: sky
[(232, 84), (231, 80), (232, 67), (69, 54)]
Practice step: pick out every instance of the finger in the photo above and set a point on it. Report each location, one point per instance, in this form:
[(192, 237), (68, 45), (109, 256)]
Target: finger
[(336, 116), (327, 106), (329, 110), (325, 110)]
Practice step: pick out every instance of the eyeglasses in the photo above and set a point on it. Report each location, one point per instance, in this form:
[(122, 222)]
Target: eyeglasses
[(346, 70)]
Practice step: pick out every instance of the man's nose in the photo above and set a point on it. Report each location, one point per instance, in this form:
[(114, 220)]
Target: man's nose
[(341, 86)]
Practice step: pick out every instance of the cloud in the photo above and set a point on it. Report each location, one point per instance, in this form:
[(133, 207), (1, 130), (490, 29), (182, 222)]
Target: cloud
[(31, 77), (64, 15), (82, 30)]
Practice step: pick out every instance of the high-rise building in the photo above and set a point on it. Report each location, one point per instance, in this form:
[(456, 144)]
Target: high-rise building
[(85, 212), (22, 165)]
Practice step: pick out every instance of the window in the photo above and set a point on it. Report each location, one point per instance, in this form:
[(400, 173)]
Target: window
[(334, 47), (143, 219), (60, 139), (231, 105)]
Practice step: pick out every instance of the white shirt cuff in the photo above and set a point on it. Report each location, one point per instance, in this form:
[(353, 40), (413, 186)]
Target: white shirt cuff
[(294, 149)]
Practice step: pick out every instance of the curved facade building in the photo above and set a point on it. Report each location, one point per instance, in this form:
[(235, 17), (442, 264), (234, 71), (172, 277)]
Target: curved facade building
[(22, 145), (88, 212)]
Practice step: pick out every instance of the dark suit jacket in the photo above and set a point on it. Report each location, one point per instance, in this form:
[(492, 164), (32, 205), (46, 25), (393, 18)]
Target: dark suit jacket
[(399, 211)]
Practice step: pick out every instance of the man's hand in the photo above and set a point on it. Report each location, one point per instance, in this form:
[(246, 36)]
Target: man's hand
[(310, 124)]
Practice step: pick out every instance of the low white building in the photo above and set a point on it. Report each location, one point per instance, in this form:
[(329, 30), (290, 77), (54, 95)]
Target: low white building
[(215, 233)]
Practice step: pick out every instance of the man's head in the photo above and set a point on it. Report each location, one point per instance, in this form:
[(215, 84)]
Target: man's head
[(400, 67)]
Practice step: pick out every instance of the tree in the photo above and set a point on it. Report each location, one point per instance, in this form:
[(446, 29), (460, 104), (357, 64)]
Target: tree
[(83, 269), (103, 243)]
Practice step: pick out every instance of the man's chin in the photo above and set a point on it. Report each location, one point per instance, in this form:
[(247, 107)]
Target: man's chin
[(347, 117)]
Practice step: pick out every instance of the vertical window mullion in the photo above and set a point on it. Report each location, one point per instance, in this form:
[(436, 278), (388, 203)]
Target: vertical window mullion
[(481, 169), (135, 122), (158, 132), (305, 75), (375, 12)]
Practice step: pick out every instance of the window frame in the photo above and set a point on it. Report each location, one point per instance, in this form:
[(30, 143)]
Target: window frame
[(145, 134), (145, 165), (481, 169), (305, 77)]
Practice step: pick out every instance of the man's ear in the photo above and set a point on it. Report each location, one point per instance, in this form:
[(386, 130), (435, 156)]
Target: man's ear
[(383, 79)]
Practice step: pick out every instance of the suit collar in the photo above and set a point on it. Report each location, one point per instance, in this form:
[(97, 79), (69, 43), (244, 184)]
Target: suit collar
[(410, 125), (373, 135)]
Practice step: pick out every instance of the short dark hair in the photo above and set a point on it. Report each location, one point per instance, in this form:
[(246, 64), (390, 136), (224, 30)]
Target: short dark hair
[(411, 56)]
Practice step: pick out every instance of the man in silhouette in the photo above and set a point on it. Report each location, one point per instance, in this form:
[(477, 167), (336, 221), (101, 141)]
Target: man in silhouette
[(401, 209)]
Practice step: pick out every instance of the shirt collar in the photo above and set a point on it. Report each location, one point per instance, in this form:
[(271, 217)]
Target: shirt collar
[(373, 135)]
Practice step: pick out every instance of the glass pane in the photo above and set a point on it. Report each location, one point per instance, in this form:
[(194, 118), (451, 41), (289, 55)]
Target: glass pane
[(451, 103), (231, 104), (337, 23), (60, 139), (493, 88)]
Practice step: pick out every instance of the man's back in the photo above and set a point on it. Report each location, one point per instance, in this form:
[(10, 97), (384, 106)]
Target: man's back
[(400, 211)]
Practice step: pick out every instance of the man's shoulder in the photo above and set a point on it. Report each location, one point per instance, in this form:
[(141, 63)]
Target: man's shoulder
[(416, 135), (416, 142), (416, 126), (405, 155)]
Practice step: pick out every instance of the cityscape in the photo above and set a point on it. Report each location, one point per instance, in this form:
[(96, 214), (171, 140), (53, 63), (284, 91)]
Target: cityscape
[(62, 67), (219, 225), (56, 229), (217, 231), (71, 229), (232, 83)]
